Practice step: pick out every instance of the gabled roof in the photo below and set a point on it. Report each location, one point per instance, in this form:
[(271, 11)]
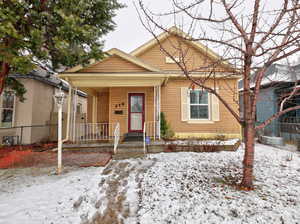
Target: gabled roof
[(177, 32), (121, 54)]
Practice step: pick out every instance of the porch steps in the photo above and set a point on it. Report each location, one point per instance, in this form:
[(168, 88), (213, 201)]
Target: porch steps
[(128, 147), (128, 150), (133, 137), (89, 147), (120, 156)]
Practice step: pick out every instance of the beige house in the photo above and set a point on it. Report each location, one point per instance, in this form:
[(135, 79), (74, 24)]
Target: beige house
[(35, 119), (128, 91)]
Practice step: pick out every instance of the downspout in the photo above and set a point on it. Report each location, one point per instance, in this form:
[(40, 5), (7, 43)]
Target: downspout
[(68, 113)]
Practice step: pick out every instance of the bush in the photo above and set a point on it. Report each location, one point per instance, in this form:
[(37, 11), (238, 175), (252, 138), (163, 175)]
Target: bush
[(165, 129)]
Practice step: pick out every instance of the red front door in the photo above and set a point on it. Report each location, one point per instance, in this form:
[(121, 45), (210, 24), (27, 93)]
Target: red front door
[(136, 112)]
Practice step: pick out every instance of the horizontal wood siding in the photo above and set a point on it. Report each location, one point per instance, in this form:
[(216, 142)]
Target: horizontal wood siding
[(89, 108), (113, 64), (171, 106), (103, 107), (119, 95), (194, 58)]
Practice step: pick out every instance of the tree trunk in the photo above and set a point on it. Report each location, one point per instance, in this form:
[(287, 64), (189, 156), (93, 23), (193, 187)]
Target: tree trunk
[(3, 74), (249, 131), (247, 181)]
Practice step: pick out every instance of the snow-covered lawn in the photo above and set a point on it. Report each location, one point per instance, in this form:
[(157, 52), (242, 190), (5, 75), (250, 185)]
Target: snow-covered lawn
[(180, 187), (37, 196), (189, 188)]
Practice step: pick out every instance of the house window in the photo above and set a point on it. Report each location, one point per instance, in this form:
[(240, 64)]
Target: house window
[(7, 108), (199, 108)]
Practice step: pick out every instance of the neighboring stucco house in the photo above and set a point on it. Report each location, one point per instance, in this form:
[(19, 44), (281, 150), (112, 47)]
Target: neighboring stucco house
[(37, 112), (133, 88), (277, 83)]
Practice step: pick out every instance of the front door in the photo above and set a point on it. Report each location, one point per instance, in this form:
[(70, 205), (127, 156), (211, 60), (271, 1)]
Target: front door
[(136, 112)]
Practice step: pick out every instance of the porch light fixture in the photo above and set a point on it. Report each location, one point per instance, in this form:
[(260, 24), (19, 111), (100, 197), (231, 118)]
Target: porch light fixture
[(59, 98)]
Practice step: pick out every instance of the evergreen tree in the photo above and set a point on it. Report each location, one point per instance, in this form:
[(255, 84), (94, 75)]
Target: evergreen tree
[(51, 33)]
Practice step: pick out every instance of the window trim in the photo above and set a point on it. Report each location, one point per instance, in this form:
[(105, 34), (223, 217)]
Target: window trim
[(208, 107), (4, 108)]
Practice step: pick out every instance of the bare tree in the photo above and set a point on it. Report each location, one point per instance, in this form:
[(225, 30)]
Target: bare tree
[(252, 35)]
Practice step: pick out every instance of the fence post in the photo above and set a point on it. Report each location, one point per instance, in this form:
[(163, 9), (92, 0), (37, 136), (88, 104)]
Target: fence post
[(21, 137)]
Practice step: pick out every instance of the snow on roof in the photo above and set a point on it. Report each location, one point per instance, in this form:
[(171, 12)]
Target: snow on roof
[(281, 73), (277, 73)]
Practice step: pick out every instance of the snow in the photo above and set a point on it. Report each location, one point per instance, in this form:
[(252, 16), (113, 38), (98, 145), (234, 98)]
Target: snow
[(36, 196), (279, 73), (190, 188), (276, 77), (204, 142), (182, 187)]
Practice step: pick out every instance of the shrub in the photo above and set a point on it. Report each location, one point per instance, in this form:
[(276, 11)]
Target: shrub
[(165, 129)]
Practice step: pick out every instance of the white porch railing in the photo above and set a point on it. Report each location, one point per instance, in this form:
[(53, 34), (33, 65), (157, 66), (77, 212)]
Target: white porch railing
[(151, 129), (94, 131), (117, 137)]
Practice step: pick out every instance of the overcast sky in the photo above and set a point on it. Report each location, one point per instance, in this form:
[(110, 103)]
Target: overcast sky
[(130, 34)]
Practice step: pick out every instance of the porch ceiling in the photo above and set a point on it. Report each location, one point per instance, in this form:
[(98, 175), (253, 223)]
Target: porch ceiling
[(110, 80)]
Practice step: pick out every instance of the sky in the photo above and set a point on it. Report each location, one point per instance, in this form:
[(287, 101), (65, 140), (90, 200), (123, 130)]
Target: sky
[(129, 32)]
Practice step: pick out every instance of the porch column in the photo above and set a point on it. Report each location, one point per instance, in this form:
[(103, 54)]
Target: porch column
[(68, 126), (157, 111)]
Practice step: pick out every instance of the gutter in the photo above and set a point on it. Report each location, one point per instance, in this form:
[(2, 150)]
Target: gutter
[(143, 75)]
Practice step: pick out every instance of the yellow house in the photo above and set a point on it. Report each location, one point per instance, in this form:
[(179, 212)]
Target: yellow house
[(128, 91)]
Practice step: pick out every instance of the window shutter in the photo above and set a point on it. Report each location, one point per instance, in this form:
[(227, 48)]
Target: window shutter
[(215, 108), (184, 103)]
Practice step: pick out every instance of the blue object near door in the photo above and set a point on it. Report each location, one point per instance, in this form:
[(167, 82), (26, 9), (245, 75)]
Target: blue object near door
[(147, 140)]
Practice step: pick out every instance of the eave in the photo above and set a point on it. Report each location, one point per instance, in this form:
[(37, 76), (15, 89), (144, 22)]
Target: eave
[(86, 80)]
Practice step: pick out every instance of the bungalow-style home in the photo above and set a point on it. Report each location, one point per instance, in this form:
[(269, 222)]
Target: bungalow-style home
[(278, 82), (35, 119), (128, 92)]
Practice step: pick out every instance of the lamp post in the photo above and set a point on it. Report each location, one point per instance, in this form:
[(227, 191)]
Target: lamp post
[(59, 99)]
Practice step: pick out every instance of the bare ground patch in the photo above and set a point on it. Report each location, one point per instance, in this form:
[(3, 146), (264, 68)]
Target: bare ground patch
[(120, 197)]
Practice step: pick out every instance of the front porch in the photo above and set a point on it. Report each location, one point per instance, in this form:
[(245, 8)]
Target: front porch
[(123, 100), (134, 109), (116, 114)]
